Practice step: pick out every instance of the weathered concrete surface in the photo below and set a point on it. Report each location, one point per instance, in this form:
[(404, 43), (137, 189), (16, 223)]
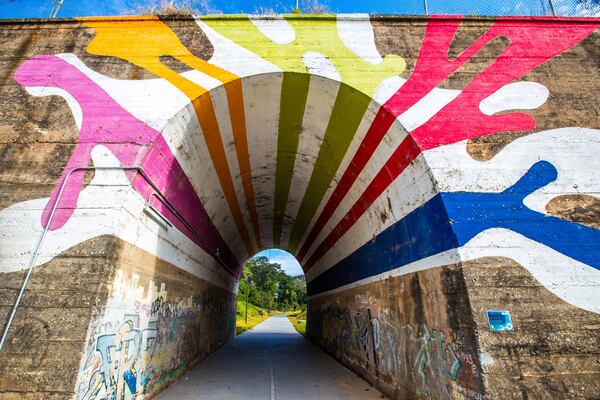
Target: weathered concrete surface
[(43, 351), (422, 170), (553, 351), (105, 316), (270, 361), (412, 336), (425, 335)]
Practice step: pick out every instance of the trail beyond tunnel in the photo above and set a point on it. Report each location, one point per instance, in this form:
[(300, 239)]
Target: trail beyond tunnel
[(436, 178)]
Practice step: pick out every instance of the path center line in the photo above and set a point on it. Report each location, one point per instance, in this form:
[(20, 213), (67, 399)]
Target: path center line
[(272, 385)]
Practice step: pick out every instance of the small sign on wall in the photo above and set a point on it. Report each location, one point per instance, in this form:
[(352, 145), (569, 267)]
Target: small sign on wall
[(499, 320)]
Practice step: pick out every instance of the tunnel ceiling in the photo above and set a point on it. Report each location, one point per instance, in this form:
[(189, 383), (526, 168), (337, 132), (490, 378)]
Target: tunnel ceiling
[(333, 140)]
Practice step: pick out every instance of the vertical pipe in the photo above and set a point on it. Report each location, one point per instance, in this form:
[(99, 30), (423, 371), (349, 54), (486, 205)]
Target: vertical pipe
[(552, 8), (426, 8)]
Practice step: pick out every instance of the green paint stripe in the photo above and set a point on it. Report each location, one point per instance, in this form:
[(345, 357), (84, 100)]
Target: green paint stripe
[(294, 92), (348, 110)]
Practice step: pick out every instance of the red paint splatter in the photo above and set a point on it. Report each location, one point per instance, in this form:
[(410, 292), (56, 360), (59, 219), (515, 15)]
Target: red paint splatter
[(529, 47)]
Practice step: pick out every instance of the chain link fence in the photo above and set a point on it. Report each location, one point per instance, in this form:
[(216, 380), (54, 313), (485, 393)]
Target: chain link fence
[(80, 8)]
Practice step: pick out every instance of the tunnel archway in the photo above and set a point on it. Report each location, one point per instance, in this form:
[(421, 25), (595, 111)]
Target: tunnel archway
[(208, 196), (379, 211), (407, 235)]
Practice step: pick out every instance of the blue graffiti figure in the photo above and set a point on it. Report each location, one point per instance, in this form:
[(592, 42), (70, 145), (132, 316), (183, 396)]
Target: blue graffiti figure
[(449, 220)]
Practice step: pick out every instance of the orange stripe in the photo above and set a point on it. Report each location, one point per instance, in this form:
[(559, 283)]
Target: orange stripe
[(210, 129), (235, 100), (142, 42)]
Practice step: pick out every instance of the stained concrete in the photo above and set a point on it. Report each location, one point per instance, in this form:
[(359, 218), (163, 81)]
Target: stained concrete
[(271, 361)]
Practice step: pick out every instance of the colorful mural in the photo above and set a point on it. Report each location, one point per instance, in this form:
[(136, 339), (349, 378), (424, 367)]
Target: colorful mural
[(342, 131), (371, 149)]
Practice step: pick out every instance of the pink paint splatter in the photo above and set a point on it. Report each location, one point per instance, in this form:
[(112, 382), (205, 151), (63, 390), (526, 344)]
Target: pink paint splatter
[(132, 142)]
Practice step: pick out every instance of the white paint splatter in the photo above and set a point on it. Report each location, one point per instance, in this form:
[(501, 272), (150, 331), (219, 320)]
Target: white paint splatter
[(570, 280), (233, 57), (107, 206), (515, 96), (152, 101), (275, 27), (387, 88), (427, 107), (356, 33), (572, 151)]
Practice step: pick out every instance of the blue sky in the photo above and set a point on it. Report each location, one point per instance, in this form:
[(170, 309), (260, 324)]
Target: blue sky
[(74, 8), (287, 261)]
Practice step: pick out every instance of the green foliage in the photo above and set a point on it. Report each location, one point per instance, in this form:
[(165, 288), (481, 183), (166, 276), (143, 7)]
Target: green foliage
[(174, 7), (253, 311), (270, 287), (312, 7)]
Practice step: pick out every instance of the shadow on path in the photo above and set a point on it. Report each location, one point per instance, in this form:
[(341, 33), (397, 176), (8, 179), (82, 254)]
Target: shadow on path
[(271, 361)]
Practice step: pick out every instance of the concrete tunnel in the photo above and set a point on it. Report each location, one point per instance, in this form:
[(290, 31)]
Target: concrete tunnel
[(430, 175)]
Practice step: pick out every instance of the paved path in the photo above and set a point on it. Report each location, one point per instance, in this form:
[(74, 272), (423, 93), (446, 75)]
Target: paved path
[(271, 361)]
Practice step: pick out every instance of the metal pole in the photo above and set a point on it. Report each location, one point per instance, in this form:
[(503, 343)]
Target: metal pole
[(426, 8), (38, 246), (247, 291), (552, 8), (55, 8)]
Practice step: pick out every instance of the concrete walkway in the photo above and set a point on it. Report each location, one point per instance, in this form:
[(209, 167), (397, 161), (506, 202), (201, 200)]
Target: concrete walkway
[(271, 361)]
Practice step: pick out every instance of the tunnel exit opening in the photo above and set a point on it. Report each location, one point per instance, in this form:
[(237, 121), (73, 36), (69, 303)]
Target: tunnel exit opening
[(272, 282)]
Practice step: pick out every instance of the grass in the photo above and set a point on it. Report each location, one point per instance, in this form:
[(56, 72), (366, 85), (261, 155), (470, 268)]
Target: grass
[(299, 321), (256, 315)]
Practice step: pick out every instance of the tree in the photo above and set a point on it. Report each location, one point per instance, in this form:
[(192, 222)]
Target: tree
[(271, 287)]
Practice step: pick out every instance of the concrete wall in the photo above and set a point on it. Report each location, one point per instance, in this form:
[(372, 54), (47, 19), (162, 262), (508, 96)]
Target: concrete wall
[(423, 171), (104, 319), (411, 336), (156, 323)]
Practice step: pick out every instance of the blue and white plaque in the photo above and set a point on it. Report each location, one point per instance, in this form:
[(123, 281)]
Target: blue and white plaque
[(499, 320)]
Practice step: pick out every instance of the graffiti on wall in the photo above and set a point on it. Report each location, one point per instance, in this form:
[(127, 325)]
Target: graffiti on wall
[(142, 342), (431, 362)]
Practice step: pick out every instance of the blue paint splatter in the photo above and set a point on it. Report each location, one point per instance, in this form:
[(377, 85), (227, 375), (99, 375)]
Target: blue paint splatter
[(472, 213), (450, 220), (423, 232)]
